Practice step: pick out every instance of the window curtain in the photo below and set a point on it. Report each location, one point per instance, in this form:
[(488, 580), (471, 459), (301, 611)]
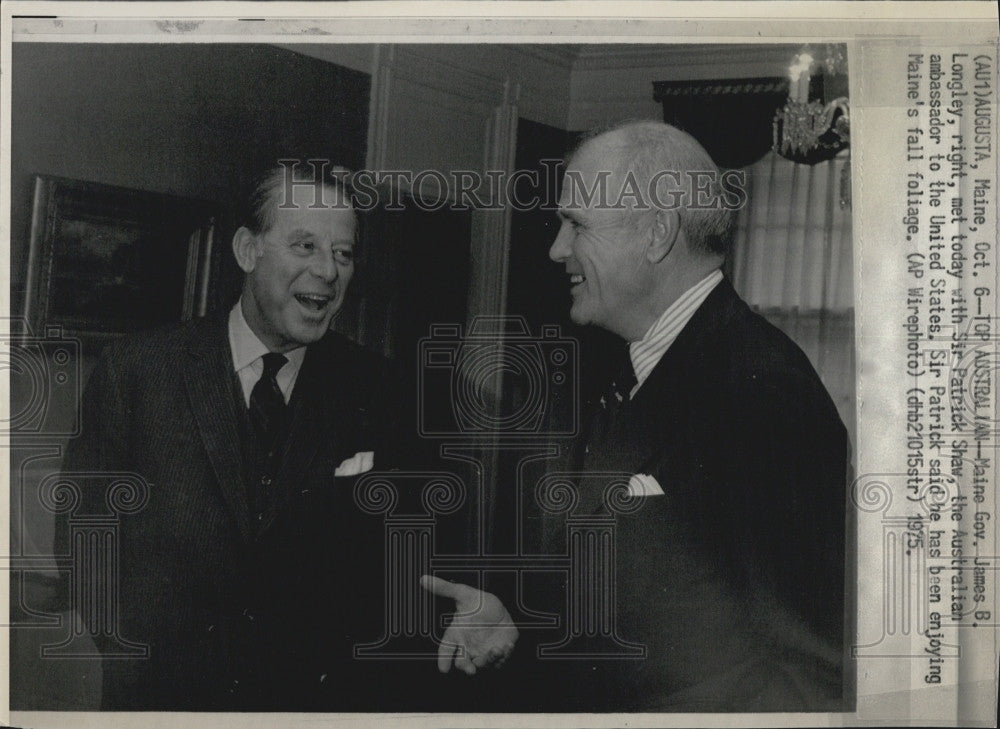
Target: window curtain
[(792, 262)]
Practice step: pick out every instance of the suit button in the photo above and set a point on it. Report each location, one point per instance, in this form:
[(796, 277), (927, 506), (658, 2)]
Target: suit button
[(265, 480)]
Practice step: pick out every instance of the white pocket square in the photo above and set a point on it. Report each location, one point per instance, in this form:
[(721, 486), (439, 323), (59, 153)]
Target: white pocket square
[(358, 463), (642, 484)]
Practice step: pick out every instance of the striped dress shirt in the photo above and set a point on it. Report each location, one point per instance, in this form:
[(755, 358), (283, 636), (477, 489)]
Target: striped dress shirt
[(647, 352)]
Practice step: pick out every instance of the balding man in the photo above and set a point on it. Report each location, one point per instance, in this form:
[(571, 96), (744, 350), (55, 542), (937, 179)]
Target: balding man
[(730, 573)]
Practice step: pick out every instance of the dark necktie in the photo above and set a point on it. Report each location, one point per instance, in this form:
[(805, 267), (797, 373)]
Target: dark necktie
[(601, 441), (267, 404), (615, 396), (620, 390)]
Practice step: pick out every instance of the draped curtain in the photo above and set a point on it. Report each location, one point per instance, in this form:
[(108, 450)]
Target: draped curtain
[(791, 258), (730, 118), (792, 262)]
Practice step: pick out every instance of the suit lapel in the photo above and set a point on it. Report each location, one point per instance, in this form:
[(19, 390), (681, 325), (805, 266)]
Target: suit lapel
[(213, 392), (651, 420)]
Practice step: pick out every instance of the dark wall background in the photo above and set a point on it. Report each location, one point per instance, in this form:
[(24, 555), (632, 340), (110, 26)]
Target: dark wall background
[(538, 288), (192, 120), (538, 291)]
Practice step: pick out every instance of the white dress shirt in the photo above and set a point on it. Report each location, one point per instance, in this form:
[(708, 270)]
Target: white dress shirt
[(648, 351), (248, 352)]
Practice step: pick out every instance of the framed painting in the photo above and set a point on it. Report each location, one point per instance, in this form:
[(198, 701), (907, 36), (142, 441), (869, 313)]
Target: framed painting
[(107, 260)]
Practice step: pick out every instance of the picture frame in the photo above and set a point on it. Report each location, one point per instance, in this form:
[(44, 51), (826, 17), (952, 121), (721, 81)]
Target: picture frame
[(106, 260)]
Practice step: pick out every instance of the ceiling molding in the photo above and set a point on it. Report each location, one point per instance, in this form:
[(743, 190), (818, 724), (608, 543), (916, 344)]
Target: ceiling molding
[(720, 87), (437, 68), (562, 55), (639, 55)]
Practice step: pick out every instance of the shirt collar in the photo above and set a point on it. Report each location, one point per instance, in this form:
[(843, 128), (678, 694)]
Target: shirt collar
[(247, 348), (648, 351)]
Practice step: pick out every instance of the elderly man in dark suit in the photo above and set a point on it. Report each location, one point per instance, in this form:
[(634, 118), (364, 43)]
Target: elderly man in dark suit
[(730, 573), (248, 427)]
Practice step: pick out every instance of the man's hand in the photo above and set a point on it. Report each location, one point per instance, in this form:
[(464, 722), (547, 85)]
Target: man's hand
[(481, 633)]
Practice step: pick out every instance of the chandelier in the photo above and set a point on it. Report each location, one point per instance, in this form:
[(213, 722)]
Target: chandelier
[(809, 130)]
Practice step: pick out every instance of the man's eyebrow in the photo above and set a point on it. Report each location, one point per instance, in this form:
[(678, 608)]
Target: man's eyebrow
[(300, 234), (568, 214)]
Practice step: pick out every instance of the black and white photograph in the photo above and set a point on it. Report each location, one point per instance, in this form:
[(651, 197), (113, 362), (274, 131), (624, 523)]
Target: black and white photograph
[(424, 377)]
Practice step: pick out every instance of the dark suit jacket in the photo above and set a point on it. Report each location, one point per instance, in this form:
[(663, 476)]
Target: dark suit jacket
[(236, 617), (733, 580)]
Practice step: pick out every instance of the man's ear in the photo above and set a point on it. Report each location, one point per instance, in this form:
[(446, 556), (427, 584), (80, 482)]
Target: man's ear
[(246, 248), (665, 232)]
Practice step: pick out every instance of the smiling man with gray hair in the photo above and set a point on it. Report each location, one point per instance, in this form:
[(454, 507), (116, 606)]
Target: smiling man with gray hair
[(250, 425), (730, 559)]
